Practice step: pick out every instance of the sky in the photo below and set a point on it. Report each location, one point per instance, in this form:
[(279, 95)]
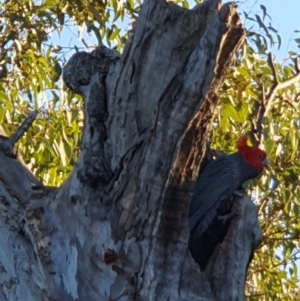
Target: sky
[(285, 16)]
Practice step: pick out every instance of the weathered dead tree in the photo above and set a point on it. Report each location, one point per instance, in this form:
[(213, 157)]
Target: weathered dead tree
[(117, 229)]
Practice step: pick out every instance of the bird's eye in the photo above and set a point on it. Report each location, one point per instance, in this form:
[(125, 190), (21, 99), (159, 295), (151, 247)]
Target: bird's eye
[(260, 156)]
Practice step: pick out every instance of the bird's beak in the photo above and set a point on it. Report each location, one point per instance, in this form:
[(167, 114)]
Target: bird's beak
[(265, 162)]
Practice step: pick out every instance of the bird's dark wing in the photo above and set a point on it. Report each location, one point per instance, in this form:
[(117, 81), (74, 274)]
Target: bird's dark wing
[(217, 182)]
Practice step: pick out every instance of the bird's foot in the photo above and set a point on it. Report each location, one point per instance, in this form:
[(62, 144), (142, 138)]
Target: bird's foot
[(225, 218), (240, 193)]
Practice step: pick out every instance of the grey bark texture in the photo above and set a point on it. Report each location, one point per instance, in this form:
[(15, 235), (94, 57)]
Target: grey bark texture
[(117, 229)]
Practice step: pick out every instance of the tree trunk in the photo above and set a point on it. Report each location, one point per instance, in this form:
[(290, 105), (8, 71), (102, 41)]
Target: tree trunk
[(117, 229)]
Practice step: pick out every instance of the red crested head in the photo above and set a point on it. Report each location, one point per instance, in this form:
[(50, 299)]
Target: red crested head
[(253, 156)]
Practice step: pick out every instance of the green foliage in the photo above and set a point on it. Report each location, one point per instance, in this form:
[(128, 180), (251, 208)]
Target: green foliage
[(30, 69)]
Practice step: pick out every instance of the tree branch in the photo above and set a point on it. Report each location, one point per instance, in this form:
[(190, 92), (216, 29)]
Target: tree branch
[(267, 100), (277, 85), (24, 127), (7, 144)]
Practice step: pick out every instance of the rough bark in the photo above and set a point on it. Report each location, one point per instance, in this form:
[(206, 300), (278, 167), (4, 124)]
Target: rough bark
[(117, 229)]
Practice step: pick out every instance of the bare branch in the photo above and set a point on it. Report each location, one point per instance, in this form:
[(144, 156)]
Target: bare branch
[(272, 66), (277, 85), (7, 144), (268, 100), (297, 64), (256, 132), (23, 127)]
